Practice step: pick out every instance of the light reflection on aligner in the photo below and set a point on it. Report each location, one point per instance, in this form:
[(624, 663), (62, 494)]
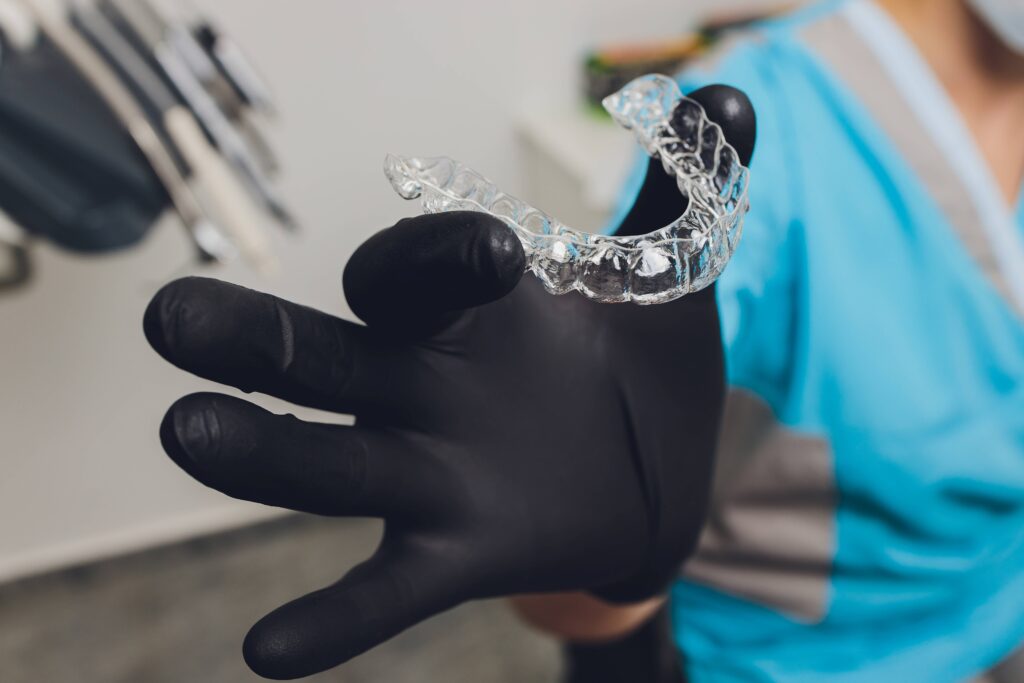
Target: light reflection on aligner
[(665, 264)]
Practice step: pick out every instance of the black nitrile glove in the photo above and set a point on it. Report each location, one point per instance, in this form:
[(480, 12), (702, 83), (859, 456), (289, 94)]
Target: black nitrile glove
[(513, 441)]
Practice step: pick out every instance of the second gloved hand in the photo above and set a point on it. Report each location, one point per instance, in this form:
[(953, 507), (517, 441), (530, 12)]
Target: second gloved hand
[(513, 441)]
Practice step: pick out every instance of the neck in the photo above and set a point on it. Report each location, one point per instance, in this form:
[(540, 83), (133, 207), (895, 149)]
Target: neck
[(984, 78)]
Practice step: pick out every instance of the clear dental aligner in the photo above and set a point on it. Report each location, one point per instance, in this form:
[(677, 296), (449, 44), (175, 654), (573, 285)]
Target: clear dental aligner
[(682, 257)]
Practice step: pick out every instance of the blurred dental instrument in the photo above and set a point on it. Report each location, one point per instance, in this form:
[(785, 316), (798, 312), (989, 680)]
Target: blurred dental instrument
[(15, 263), (237, 214), (17, 32), (20, 30), (195, 75), (131, 115), (112, 111)]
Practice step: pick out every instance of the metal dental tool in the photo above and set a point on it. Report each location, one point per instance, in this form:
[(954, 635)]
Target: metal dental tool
[(187, 66), (205, 235), (215, 180), (15, 262), (19, 28), (235, 67)]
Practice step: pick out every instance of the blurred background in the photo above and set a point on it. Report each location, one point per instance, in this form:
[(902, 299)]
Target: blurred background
[(116, 566)]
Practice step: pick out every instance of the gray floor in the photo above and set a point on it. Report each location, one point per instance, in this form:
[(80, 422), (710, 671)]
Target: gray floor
[(178, 614)]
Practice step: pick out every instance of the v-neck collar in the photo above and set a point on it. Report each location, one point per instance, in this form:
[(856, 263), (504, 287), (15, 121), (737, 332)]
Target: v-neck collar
[(939, 117)]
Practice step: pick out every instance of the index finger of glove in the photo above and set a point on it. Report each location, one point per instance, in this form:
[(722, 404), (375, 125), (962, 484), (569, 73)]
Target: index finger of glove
[(258, 342)]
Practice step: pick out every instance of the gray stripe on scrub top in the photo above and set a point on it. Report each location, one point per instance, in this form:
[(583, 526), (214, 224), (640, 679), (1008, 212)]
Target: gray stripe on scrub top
[(771, 531)]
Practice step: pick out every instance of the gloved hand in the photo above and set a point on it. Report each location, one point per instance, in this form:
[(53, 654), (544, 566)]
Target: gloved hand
[(513, 441)]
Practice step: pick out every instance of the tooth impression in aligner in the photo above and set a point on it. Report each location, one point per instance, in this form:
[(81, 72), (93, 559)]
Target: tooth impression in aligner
[(683, 257)]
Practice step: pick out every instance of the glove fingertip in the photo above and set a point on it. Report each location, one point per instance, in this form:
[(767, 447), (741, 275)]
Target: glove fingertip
[(502, 254), (303, 637), (268, 651), (194, 429), (733, 111), (157, 321), (181, 314), (424, 268), (174, 435)]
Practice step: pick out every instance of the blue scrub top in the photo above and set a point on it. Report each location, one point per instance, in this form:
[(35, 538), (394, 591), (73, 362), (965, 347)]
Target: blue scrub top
[(868, 516)]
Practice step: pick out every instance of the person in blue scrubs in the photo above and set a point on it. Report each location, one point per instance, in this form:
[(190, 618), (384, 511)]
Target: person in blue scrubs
[(868, 512)]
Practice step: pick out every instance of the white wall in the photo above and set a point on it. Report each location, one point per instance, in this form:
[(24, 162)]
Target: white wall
[(81, 470)]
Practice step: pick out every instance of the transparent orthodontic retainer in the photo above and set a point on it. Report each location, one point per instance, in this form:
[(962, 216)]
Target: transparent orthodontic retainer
[(683, 257)]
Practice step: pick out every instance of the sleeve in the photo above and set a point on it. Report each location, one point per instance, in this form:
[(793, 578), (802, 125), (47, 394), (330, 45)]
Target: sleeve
[(756, 291)]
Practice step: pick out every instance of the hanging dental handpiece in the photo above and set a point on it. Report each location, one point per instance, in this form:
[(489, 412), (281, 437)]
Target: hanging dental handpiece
[(234, 66), (188, 67), (15, 262), (215, 181), (230, 59), (249, 93), (206, 235), (19, 30), (235, 83)]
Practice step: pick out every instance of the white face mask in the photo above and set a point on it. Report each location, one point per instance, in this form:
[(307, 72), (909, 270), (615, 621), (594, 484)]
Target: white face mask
[(1005, 18)]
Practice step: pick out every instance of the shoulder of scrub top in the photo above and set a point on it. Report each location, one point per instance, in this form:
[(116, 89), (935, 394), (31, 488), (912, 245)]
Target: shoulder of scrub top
[(755, 293)]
